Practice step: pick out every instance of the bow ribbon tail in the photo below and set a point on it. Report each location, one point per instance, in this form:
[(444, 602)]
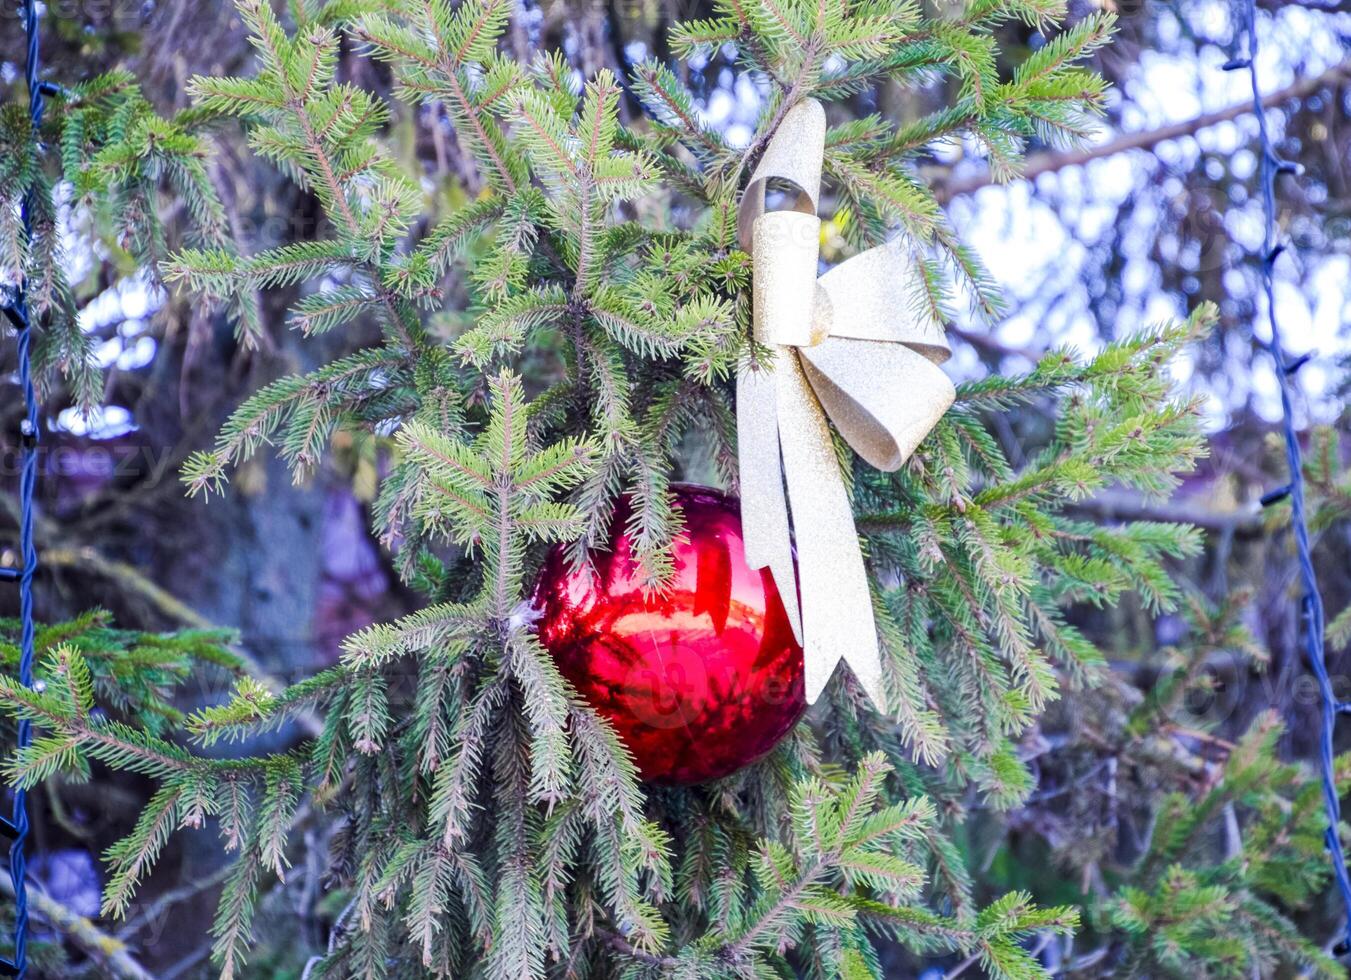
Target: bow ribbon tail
[(836, 602), (764, 509)]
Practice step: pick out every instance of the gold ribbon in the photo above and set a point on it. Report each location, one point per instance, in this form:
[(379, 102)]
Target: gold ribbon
[(848, 348)]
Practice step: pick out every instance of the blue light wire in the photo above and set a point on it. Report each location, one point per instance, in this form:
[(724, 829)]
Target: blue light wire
[(17, 312), (1311, 603)]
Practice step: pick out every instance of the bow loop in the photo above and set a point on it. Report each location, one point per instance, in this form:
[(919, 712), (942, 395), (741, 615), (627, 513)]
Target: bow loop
[(793, 156), (883, 398), (874, 297)]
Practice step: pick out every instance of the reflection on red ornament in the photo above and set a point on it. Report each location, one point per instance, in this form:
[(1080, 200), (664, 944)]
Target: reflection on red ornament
[(699, 680)]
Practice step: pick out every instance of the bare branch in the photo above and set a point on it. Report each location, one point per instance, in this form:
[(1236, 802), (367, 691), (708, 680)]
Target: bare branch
[(1043, 163), (107, 950)]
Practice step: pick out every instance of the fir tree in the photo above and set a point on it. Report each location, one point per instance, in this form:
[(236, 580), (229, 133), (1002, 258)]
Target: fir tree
[(566, 339)]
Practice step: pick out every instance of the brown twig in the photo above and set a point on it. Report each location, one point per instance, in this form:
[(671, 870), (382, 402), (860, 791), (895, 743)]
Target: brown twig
[(1122, 506), (1042, 163), (111, 952), (622, 945)]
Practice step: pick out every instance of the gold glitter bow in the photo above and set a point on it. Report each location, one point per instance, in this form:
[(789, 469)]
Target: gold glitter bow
[(846, 348)]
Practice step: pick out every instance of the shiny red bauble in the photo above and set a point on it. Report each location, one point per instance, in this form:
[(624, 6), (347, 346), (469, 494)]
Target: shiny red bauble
[(700, 679)]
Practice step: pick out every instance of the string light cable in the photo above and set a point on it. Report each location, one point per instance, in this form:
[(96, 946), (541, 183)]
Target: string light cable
[(1311, 618), (15, 308)]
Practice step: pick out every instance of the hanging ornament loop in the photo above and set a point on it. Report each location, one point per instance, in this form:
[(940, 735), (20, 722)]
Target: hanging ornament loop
[(845, 350)]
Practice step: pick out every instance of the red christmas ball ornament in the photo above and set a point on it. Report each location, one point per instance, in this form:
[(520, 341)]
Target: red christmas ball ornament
[(699, 680)]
